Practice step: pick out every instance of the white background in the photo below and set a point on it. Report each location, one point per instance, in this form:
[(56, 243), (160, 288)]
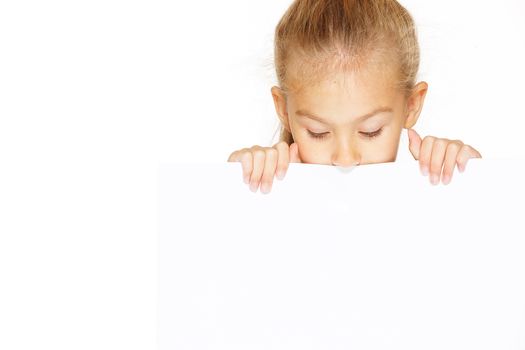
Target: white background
[(95, 94)]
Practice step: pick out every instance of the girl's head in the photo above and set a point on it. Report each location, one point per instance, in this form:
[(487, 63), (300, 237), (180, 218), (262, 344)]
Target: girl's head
[(347, 75)]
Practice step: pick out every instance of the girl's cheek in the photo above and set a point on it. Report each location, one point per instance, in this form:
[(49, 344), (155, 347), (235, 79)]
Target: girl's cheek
[(313, 153), (383, 151)]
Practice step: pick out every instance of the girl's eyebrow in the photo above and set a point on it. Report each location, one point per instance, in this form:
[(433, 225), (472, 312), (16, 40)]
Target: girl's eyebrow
[(305, 113)]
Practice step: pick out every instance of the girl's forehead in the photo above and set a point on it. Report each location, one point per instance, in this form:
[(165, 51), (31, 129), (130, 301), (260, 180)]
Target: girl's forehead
[(369, 78), (362, 84), (374, 66)]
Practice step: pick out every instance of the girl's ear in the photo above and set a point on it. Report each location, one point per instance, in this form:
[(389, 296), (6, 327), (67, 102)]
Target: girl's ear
[(415, 104), (279, 100)]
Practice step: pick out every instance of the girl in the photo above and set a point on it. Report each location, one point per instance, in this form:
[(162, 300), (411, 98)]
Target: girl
[(346, 71)]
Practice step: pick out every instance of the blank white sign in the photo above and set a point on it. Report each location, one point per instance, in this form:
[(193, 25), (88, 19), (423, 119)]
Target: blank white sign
[(375, 258)]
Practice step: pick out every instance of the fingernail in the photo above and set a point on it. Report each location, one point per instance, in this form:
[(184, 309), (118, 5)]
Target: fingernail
[(253, 187), (446, 180), (424, 171), (434, 179), (280, 175), (265, 188)]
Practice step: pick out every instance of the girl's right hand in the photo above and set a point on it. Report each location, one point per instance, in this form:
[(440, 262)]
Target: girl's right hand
[(260, 164)]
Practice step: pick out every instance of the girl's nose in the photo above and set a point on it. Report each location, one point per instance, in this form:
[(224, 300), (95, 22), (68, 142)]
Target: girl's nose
[(346, 159), (346, 164), (346, 153)]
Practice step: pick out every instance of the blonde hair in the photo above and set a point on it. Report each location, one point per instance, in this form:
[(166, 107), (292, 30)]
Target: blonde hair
[(325, 36)]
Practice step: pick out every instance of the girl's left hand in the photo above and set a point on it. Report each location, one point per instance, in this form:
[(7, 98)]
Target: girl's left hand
[(434, 154)]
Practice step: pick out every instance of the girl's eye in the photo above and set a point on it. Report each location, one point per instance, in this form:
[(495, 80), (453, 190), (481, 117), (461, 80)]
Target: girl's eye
[(371, 135), (318, 136)]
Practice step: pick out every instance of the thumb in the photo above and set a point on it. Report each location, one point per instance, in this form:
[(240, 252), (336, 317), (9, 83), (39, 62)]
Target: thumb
[(414, 143), (294, 154)]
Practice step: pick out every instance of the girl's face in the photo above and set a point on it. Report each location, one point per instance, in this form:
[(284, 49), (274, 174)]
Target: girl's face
[(349, 119)]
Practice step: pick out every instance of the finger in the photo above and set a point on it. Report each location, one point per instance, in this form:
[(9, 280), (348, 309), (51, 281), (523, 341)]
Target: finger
[(283, 159), (246, 160), (439, 148), (258, 167), (233, 157), (414, 143), (473, 152), (270, 164), (237, 155), (425, 154), (294, 154), (450, 161), (465, 153)]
